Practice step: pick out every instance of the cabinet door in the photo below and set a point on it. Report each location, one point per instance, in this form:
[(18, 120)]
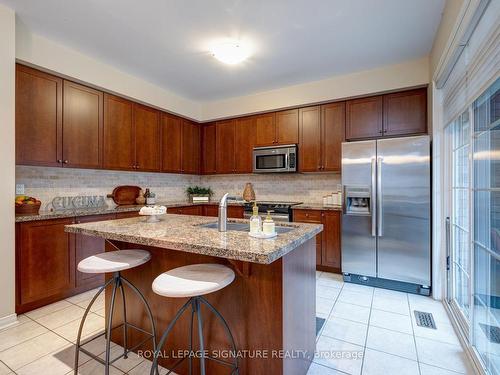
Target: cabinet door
[(86, 246), (190, 147), (171, 143), (119, 150), (310, 139), (208, 149), (225, 146), (330, 255), (314, 217), (287, 127), (211, 210), (364, 118), (82, 126), (235, 212), (405, 112), (244, 140), (45, 261), (332, 134), (186, 210), (126, 215), (38, 117), (147, 138), (265, 129)]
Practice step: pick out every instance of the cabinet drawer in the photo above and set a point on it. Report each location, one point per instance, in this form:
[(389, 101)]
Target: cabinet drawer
[(307, 216), (185, 210)]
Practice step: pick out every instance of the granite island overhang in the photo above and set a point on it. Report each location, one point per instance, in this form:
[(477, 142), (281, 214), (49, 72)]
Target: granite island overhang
[(270, 306)]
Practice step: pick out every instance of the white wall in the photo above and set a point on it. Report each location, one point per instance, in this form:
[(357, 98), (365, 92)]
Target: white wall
[(42, 52), (391, 77), (7, 165)]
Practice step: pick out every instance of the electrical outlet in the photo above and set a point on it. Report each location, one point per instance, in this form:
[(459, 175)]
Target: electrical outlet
[(19, 189)]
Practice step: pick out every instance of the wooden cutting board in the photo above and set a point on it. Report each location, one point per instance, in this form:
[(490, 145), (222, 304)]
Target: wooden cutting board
[(125, 195)]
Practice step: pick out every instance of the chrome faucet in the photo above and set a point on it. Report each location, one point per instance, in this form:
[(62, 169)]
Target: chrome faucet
[(222, 220)]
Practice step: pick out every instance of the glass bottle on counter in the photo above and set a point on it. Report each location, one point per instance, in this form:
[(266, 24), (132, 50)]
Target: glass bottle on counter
[(268, 227), (255, 220)]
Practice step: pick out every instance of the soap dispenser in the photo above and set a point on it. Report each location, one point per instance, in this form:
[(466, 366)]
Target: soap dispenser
[(268, 226), (255, 220)]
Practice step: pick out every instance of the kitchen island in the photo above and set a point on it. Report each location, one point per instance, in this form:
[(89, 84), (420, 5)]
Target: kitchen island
[(270, 306)]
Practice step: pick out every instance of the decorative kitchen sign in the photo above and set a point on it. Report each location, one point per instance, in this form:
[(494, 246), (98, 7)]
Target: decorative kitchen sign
[(78, 202)]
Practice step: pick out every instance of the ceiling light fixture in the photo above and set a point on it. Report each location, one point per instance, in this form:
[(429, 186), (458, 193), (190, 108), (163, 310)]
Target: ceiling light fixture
[(230, 52)]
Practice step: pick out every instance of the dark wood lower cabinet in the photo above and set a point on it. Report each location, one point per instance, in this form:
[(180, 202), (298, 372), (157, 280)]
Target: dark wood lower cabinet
[(47, 257), (45, 263), (86, 246), (328, 250), (234, 212)]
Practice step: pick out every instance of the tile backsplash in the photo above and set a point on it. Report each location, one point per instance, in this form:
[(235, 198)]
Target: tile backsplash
[(45, 183)]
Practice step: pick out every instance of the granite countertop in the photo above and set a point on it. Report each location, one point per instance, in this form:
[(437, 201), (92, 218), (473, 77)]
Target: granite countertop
[(46, 215), (317, 206), (183, 233)]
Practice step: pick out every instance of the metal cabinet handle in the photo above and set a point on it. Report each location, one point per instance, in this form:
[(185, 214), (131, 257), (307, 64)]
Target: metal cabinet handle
[(59, 161), (379, 197), (136, 167), (65, 162), (373, 198)]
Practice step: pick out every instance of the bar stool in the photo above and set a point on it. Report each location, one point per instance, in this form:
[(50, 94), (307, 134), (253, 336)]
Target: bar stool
[(194, 281), (114, 262)]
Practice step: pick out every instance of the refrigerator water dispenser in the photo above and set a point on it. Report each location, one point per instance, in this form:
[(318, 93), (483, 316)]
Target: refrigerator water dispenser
[(357, 200)]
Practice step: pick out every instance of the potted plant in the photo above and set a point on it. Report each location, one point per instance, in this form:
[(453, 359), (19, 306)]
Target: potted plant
[(199, 194)]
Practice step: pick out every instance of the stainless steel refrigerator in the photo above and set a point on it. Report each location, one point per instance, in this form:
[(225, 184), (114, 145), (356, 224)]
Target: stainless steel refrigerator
[(386, 213)]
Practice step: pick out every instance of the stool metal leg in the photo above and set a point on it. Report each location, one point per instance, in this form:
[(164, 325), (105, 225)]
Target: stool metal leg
[(116, 278), (200, 334), (226, 327), (125, 328), (165, 335), (191, 343), (87, 310), (148, 309)]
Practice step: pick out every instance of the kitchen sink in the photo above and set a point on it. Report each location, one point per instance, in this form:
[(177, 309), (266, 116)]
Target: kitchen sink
[(244, 227)]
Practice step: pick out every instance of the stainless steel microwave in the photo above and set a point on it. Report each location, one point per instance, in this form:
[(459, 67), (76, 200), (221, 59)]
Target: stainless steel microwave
[(275, 159)]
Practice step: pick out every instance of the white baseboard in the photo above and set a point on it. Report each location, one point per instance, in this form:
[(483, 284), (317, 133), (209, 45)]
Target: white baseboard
[(8, 321)]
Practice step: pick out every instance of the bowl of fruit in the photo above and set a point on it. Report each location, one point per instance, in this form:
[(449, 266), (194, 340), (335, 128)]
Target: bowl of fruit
[(27, 205)]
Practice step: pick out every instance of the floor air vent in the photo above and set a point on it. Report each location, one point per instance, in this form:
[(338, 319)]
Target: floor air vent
[(319, 324), (424, 319), (491, 332)]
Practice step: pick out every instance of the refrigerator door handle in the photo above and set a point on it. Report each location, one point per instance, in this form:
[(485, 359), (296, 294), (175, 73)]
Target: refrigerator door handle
[(379, 197), (373, 204)]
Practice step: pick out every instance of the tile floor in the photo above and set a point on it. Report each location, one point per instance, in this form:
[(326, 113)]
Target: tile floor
[(368, 331)]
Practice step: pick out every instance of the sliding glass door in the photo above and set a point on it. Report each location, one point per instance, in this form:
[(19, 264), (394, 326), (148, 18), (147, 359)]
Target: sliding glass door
[(459, 264), (486, 228), (473, 230)]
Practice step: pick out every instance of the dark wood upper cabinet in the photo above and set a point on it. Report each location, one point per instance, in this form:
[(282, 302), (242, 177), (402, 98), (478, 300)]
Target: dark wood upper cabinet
[(332, 135), (244, 140), (208, 146), (225, 146), (405, 112), (310, 139), (287, 127), (190, 147), (119, 147), (171, 143), (364, 118), (38, 117), (82, 126), (147, 138), (265, 129)]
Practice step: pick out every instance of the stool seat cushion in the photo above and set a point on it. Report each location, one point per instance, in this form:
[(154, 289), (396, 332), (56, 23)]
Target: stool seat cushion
[(193, 280), (114, 261)]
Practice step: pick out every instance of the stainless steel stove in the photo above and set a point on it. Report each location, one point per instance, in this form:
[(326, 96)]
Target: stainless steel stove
[(281, 211)]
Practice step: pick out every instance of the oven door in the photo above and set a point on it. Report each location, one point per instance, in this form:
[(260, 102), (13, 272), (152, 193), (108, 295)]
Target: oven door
[(273, 159)]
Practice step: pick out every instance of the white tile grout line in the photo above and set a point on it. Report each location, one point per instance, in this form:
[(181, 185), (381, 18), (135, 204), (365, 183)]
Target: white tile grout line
[(367, 330)]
